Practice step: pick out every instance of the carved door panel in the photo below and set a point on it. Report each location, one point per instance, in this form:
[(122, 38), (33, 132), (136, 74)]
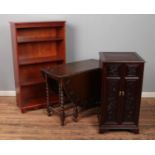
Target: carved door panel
[(111, 85), (122, 77), (131, 94), (112, 100), (131, 88)]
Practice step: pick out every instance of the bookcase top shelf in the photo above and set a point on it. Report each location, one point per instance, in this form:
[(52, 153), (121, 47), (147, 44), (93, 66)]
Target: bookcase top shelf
[(23, 25)]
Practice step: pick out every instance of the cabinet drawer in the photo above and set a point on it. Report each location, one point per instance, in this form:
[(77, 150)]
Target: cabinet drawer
[(113, 69), (132, 70)]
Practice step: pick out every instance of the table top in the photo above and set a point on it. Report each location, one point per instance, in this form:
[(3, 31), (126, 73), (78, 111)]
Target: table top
[(71, 69), (120, 57)]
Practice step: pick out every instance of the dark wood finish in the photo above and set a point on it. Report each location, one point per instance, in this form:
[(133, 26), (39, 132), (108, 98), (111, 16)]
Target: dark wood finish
[(35, 45), (77, 82), (122, 77)]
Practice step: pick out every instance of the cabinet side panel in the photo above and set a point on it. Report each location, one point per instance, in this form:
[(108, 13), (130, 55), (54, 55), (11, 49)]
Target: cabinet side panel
[(61, 46), (139, 93), (15, 62)]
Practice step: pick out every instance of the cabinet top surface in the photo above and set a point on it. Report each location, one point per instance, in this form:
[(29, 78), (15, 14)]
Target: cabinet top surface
[(38, 22), (21, 25), (70, 69), (120, 57)]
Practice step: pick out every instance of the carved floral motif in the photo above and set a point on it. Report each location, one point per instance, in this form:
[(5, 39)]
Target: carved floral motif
[(113, 70), (132, 69), (112, 100), (130, 101)]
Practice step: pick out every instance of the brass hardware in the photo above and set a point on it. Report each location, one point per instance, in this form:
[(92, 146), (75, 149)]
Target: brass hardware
[(123, 93)]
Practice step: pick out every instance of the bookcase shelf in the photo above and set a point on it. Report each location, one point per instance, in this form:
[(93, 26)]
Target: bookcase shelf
[(41, 39), (39, 102), (35, 45), (29, 61), (32, 82), (30, 25)]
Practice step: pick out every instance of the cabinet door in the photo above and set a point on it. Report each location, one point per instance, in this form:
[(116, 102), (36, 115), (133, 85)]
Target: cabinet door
[(111, 86), (132, 93), (111, 100)]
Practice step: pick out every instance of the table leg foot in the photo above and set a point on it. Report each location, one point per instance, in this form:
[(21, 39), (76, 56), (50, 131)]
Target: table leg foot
[(49, 112), (75, 114), (62, 118)]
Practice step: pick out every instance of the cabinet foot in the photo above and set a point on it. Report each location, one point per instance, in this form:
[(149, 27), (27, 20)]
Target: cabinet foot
[(23, 111), (136, 131), (103, 130), (49, 112)]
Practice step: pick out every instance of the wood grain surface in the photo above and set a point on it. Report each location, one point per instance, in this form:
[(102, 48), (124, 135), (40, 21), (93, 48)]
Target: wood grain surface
[(37, 125)]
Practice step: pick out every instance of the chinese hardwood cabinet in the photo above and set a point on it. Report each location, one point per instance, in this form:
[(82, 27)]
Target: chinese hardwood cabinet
[(122, 77), (35, 45)]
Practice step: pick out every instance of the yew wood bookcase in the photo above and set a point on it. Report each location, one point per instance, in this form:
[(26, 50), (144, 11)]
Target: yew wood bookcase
[(35, 45)]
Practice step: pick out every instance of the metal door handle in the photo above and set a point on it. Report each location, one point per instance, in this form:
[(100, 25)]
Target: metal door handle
[(123, 93), (120, 93)]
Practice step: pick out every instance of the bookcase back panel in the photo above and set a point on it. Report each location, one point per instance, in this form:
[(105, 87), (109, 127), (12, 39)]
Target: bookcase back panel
[(30, 73), (61, 32), (35, 50), (36, 95), (61, 49), (31, 92), (37, 32)]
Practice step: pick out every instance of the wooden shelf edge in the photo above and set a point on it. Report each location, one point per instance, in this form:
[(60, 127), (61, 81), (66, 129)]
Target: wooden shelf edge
[(35, 82), (39, 60), (33, 107), (33, 39), (41, 103), (39, 24)]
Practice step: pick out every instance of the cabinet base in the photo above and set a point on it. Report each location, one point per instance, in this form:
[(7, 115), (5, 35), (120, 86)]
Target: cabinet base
[(34, 107), (131, 128)]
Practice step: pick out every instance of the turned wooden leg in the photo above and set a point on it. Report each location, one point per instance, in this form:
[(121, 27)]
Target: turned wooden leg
[(49, 112), (61, 98), (48, 97)]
